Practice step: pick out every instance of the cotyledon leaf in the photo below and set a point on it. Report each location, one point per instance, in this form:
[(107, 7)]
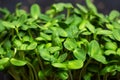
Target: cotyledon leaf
[(32, 46), (91, 6), (70, 44), (4, 61), (75, 64), (44, 53), (60, 65), (95, 52), (17, 62), (116, 34), (8, 24), (35, 11), (90, 27), (79, 54)]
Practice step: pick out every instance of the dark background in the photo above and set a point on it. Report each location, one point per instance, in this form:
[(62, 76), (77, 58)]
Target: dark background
[(104, 6)]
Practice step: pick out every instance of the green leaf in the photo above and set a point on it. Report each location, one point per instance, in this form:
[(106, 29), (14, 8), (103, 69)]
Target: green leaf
[(90, 27), (91, 6), (44, 17), (72, 31), (7, 44), (4, 61), (58, 7), (62, 32), (109, 52), (62, 57), (2, 28), (8, 24), (20, 12), (68, 5), (45, 36), (116, 34), (70, 44), (110, 26), (118, 51), (2, 50), (113, 14), (108, 69), (21, 20), (103, 32), (5, 11), (79, 54), (17, 62), (23, 47), (60, 65), (44, 53), (17, 43), (88, 76), (94, 51), (111, 45), (82, 8), (24, 27), (75, 64), (32, 46), (56, 39), (83, 24), (1, 67), (41, 75), (54, 49), (35, 11), (27, 39), (49, 46), (63, 75)]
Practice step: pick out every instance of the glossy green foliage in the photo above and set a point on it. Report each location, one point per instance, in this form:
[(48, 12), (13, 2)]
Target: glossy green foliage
[(35, 11), (80, 44)]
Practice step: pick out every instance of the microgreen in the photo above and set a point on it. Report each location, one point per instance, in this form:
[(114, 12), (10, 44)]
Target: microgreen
[(64, 43)]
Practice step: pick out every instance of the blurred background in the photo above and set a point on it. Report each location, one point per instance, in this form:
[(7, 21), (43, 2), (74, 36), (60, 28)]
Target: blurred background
[(104, 6)]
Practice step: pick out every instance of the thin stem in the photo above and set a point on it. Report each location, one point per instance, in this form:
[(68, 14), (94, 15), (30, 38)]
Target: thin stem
[(35, 73), (16, 29), (23, 74), (84, 67), (70, 74), (99, 76), (39, 60), (105, 77), (29, 32), (7, 38), (14, 74), (31, 73), (68, 13)]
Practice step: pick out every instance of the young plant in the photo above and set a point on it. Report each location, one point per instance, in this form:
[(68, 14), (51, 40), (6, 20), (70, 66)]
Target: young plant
[(64, 43)]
